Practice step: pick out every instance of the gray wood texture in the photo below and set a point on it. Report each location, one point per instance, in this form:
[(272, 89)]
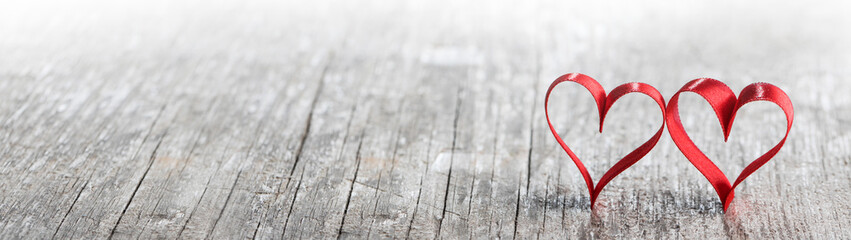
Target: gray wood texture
[(410, 119)]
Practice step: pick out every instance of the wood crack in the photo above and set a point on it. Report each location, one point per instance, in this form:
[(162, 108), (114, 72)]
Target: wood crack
[(227, 200), (357, 166), (290, 212), (70, 208), (136, 189), (302, 143), (392, 167), (517, 209), (351, 189), (420, 190), (451, 160)]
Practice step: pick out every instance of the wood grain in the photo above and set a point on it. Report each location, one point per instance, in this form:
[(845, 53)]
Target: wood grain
[(418, 119)]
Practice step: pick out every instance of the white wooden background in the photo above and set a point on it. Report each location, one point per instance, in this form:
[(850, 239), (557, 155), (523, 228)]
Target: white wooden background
[(410, 119)]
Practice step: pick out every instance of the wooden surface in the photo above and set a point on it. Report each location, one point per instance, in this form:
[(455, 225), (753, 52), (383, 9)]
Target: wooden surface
[(420, 119)]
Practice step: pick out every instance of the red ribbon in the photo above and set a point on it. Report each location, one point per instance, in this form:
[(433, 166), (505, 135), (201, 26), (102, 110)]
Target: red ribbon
[(603, 104), (725, 104)]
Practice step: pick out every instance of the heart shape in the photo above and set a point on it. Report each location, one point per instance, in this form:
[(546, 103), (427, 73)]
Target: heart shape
[(725, 104), (603, 104)]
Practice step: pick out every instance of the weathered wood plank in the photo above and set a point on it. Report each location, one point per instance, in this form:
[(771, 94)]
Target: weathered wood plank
[(413, 120), (268, 164), (322, 175), (493, 142), (86, 138)]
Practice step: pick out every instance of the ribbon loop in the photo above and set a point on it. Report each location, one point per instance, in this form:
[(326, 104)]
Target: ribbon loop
[(726, 105), (604, 103)]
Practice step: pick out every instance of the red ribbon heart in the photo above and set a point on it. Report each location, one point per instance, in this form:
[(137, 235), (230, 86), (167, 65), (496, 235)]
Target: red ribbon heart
[(725, 104), (603, 104)]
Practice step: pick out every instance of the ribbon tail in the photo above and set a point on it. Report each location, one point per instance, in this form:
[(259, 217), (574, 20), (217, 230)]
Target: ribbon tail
[(728, 199)]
